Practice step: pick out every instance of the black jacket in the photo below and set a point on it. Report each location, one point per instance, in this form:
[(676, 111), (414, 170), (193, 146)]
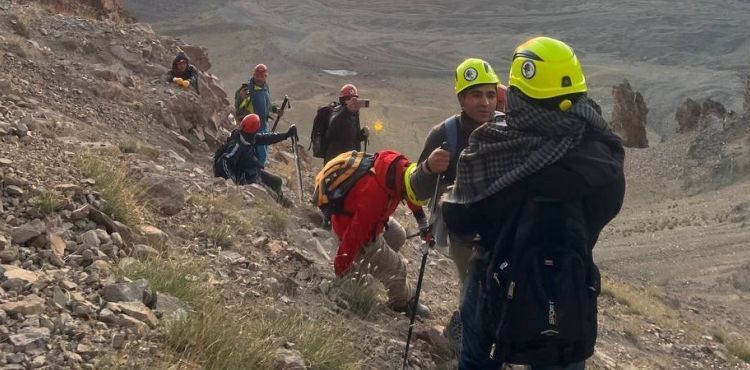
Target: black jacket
[(239, 161), (592, 172), (344, 133), (190, 74)]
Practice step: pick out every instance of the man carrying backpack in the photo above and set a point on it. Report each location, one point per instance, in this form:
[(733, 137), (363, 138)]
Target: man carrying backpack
[(255, 97), (238, 159), (369, 238), (476, 90), (538, 191), (344, 132)]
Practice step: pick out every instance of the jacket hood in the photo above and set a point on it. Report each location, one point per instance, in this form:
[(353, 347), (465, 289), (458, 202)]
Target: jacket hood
[(180, 56), (389, 169)]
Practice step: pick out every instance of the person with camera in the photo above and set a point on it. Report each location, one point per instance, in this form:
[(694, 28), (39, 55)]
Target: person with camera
[(344, 131)]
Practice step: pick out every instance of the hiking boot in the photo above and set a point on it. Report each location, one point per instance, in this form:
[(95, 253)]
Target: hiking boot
[(284, 201), (326, 223), (454, 333), (423, 311)]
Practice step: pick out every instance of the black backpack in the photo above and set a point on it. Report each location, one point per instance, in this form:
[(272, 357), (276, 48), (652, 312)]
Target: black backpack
[(218, 167), (319, 129), (541, 286)]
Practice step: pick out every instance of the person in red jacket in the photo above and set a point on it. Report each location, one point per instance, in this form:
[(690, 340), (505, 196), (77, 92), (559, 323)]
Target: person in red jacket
[(369, 238)]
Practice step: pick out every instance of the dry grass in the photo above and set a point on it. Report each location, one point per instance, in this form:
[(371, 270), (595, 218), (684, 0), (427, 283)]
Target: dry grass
[(736, 345), (48, 202), (121, 196), (168, 277), (132, 146), (641, 303), (216, 337), (225, 219), (274, 217), (359, 293)]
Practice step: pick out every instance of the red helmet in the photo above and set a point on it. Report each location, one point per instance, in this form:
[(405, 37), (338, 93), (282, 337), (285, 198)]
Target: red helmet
[(260, 68), (501, 89), (250, 124), (348, 91)]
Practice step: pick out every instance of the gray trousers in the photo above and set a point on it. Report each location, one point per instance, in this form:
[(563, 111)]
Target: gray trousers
[(380, 258), (460, 249)]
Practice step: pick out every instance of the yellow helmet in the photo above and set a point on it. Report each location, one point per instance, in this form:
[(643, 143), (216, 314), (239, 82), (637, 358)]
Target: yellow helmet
[(545, 68), (410, 196), (472, 72)]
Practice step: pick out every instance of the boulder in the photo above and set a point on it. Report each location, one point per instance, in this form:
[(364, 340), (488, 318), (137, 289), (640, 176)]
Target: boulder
[(57, 244), (144, 252), (711, 107), (30, 305), (171, 308), (629, 116), (28, 231), (136, 291), (9, 254), (89, 239), (14, 191), (29, 335), (136, 310), (155, 237), (165, 193), (18, 278), (287, 359), (198, 56), (688, 115)]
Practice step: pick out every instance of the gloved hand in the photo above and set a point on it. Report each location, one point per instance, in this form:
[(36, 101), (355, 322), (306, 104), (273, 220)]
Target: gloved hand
[(425, 230), (274, 108), (292, 132), (365, 131)]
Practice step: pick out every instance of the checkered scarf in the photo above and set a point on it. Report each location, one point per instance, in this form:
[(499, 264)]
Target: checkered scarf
[(535, 137)]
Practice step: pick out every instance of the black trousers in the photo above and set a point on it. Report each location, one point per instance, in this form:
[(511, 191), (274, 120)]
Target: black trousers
[(272, 181)]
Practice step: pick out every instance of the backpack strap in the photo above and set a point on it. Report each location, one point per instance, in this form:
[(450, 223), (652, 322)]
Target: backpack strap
[(451, 133)]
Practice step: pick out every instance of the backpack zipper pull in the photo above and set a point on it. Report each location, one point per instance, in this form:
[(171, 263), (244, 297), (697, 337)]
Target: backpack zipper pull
[(492, 351), (511, 288), (497, 280), (552, 317)]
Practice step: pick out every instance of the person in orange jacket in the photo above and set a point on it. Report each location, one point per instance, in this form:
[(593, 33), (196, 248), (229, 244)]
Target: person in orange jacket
[(369, 238)]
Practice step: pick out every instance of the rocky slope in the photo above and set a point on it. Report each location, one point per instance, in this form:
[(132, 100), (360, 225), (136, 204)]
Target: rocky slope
[(107, 191)]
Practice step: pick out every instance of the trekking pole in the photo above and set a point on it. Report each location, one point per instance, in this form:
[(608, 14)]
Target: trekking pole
[(295, 140), (412, 235), (284, 104), (425, 252)]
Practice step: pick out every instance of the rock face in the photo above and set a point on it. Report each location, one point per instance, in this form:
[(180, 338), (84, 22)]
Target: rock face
[(711, 107), (629, 116), (687, 115), (98, 9), (165, 193), (198, 57)]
